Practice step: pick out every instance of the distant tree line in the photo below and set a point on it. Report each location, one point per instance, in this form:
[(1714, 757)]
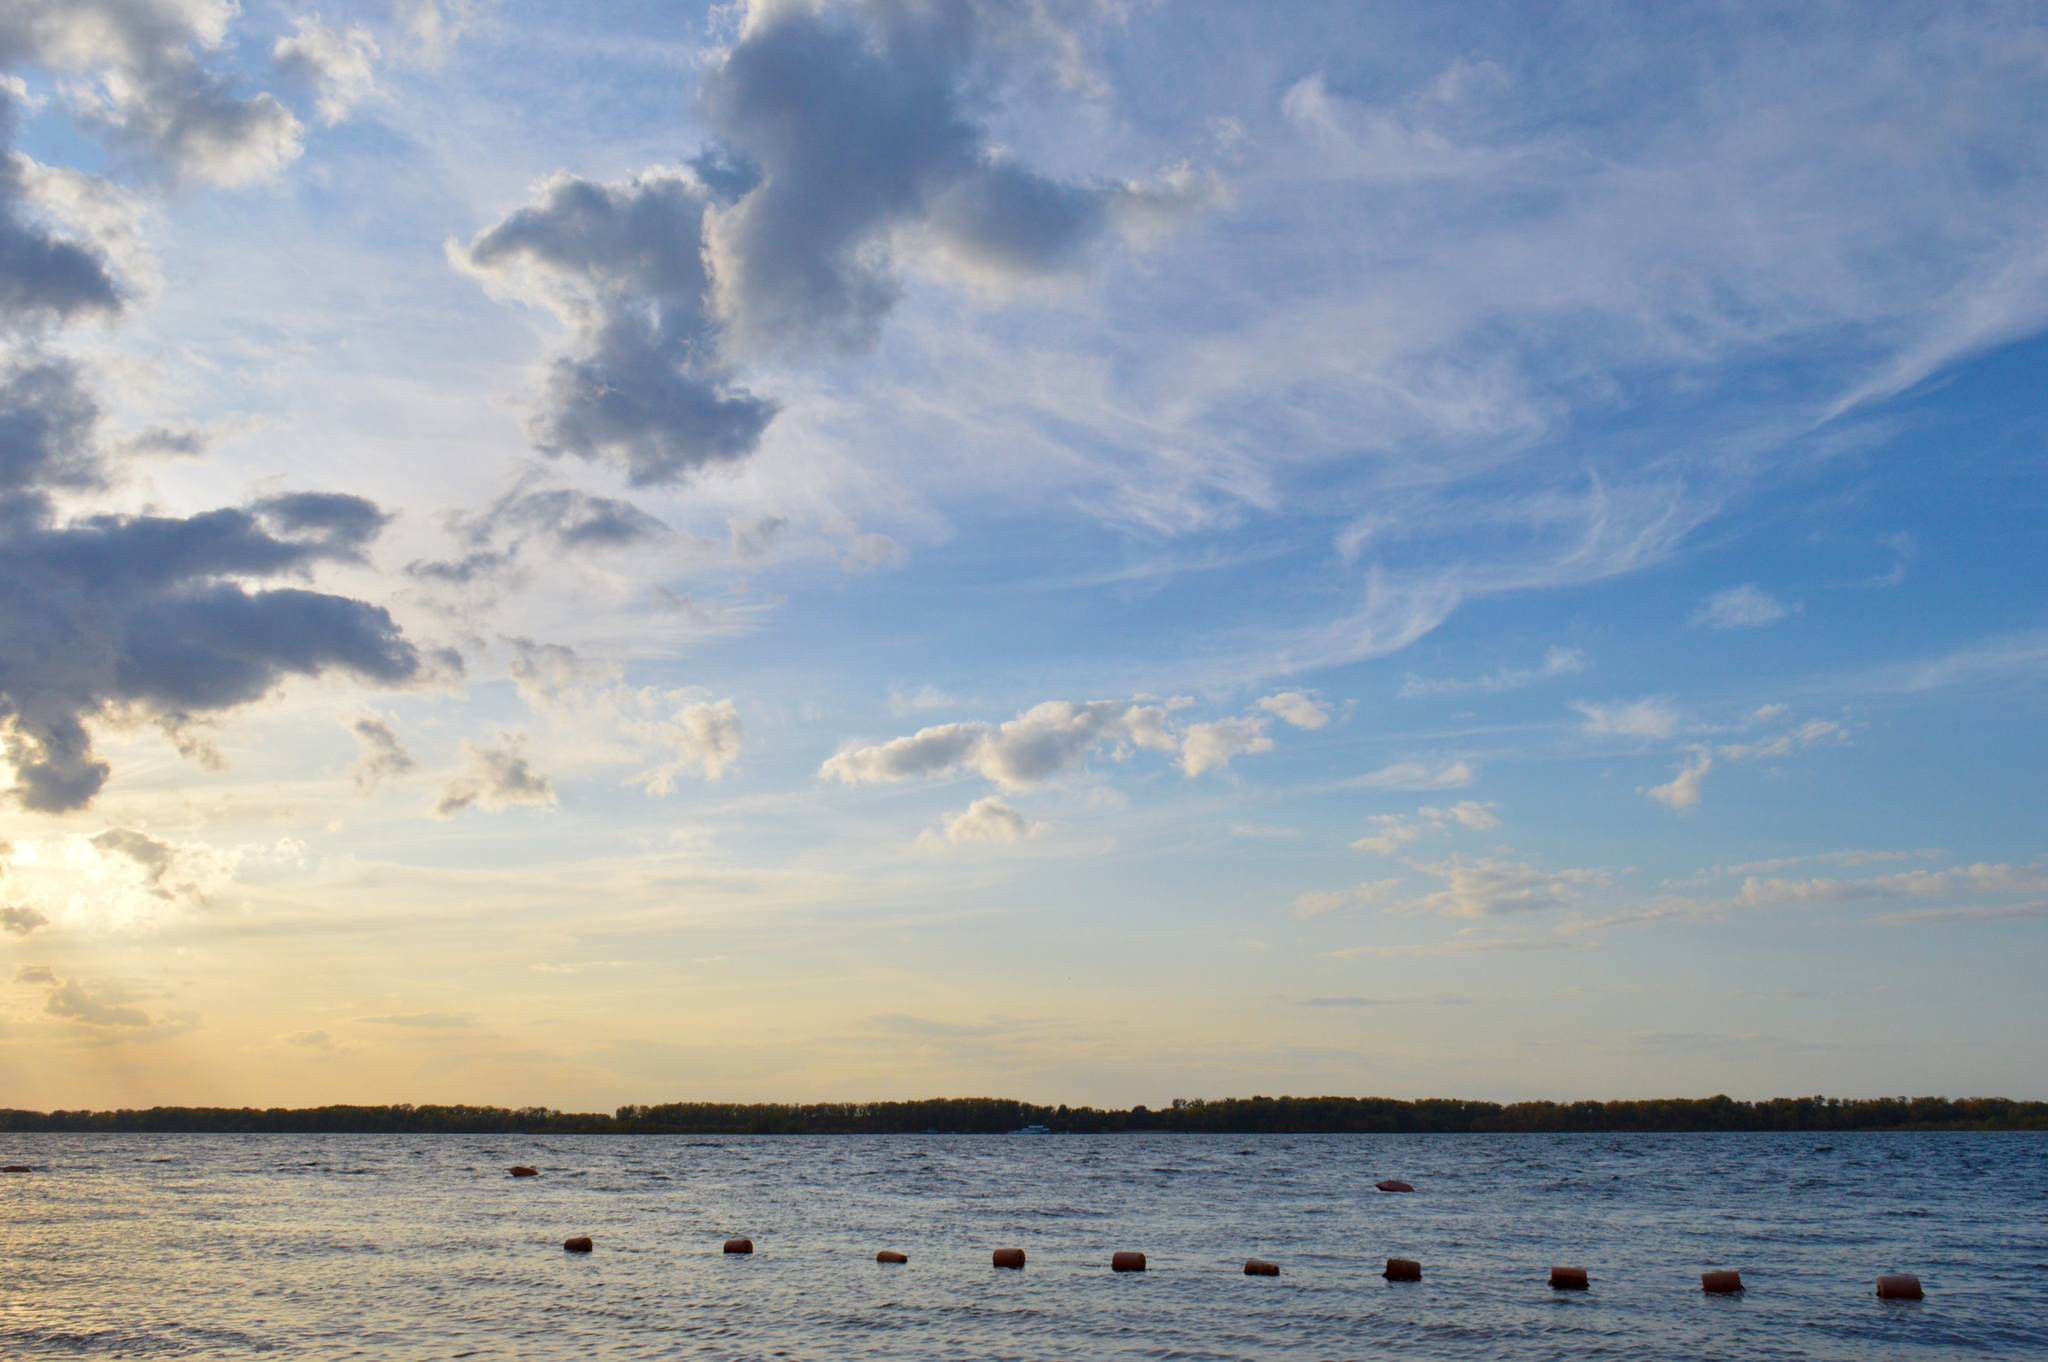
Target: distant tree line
[(990, 1115)]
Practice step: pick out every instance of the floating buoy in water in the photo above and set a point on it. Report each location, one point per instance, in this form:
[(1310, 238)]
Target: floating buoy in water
[(891, 1256), (580, 1244), (1403, 1270), (1126, 1261), (1393, 1185), (1568, 1279), (1259, 1267), (520, 1170), (1902, 1286), (739, 1246), (17, 1168), (1009, 1257), (1721, 1283)]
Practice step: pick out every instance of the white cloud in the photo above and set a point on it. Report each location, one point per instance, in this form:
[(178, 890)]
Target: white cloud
[(1983, 878), (1682, 792), (1297, 709), (923, 698), (1556, 662), (1319, 903), (1741, 607), (1396, 831), (494, 778), (1806, 735), (1493, 886), (702, 734), (990, 820), (338, 65), (1412, 775), (1045, 740), (1207, 747), (1656, 717)]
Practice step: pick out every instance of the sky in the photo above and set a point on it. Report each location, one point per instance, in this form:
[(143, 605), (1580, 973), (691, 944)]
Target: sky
[(1094, 551)]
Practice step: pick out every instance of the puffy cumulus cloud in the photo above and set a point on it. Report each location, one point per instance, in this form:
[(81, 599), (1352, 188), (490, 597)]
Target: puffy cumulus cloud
[(1741, 607), (339, 66), (844, 138), (494, 778), (383, 754), (990, 820), (70, 1001), (170, 871), (434, 25), (623, 266), (44, 276), (152, 612), (1321, 902), (1297, 709), (1493, 886), (1047, 739), (1395, 832), (17, 920), (1656, 717), (1556, 662), (1682, 792), (706, 735), (1209, 746), (847, 134), (147, 92)]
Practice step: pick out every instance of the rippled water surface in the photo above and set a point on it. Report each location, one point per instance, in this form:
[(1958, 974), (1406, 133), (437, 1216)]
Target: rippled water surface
[(423, 1247)]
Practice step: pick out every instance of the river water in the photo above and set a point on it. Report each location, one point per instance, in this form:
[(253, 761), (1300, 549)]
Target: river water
[(398, 1247)]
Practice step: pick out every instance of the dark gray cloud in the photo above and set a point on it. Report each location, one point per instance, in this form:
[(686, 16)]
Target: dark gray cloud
[(839, 132), (147, 95), (383, 754), (43, 276), (562, 516), (862, 120), (494, 778), (152, 611), (20, 921), (623, 265)]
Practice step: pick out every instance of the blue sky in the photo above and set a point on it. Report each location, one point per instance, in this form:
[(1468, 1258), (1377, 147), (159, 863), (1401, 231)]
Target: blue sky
[(1089, 551)]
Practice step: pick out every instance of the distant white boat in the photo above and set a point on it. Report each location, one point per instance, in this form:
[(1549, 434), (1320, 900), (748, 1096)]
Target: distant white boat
[(1033, 1130)]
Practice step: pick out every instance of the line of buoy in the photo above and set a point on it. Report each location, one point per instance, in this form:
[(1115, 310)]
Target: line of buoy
[(1899, 1286)]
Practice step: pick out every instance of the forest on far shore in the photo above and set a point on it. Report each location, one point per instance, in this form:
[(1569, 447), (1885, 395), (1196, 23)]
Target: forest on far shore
[(994, 1116)]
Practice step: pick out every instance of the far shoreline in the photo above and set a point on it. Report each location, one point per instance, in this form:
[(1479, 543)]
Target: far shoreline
[(1004, 1116)]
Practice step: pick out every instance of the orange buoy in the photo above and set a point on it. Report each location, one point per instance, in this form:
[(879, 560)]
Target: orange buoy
[(739, 1246), (1721, 1283), (580, 1244), (1394, 1185), (1259, 1267), (1901, 1286), (1009, 1257), (891, 1256), (1403, 1270), (1126, 1261), (1568, 1279)]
